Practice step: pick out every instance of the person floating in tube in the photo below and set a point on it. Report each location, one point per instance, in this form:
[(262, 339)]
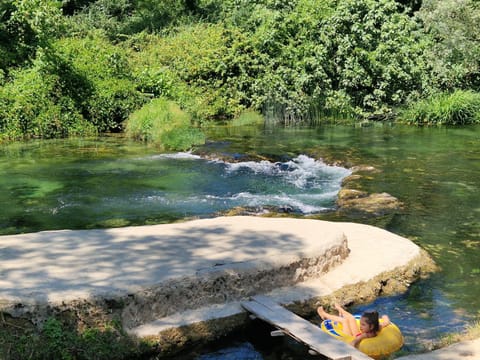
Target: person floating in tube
[(368, 327)]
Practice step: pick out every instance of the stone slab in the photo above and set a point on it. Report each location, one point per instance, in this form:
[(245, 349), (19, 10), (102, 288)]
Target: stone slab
[(372, 252), (59, 266)]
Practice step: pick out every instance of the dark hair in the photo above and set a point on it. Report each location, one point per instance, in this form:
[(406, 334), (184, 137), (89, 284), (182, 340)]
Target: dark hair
[(372, 319)]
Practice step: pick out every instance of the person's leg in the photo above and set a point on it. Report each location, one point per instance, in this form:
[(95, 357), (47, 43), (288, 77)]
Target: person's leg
[(326, 316), (349, 323), (341, 310)]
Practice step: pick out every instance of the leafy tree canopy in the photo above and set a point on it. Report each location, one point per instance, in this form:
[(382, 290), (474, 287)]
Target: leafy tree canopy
[(454, 54), (93, 62)]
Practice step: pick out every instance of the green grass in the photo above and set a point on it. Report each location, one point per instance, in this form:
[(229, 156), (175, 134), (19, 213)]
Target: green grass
[(62, 340), (248, 117), (472, 332), (163, 123), (458, 108)]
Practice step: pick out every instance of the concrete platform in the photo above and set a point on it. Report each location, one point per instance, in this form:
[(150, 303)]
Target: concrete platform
[(372, 251), (56, 266), (156, 271), (165, 276)]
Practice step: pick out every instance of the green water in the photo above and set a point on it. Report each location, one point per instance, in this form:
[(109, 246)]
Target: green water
[(109, 181)]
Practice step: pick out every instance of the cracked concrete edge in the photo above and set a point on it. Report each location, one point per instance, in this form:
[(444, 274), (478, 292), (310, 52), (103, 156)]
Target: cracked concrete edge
[(228, 285), (172, 334), (168, 298)]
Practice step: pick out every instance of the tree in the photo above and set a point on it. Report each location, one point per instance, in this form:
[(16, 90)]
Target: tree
[(25, 27), (354, 57), (42, 17), (373, 54), (17, 41), (454, 53)]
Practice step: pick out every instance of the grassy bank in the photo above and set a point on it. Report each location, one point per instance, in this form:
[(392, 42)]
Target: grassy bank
[(457, 108), (67, 338)]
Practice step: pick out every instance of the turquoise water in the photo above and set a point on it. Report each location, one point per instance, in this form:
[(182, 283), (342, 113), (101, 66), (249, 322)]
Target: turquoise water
[(103, 183), (109, 181)]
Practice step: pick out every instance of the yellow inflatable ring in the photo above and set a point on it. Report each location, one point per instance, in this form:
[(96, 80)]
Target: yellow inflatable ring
[(388, 340)]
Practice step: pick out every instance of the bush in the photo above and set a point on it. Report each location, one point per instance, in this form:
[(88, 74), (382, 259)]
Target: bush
[(372, 54), (295, 59), (194, 66), (112, 17), (457, 108), (120, 18), (27, 26), (108, 93), (248, 117), (32, 106), (111, 103), (350, 57), (454, 49), (163, 123), (77, 86)]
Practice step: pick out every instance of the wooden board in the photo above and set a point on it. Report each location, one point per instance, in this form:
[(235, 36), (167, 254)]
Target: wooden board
[(301, 329)]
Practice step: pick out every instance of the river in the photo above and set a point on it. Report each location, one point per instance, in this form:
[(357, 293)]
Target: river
[(110, 181)]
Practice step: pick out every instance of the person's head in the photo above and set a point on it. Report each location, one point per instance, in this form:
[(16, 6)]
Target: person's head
[(369, 322)]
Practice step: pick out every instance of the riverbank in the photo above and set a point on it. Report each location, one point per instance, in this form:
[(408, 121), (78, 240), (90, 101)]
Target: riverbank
[(178, 284)]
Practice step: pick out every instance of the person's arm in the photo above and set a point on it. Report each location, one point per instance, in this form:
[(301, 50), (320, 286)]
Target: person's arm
[(355, 342)]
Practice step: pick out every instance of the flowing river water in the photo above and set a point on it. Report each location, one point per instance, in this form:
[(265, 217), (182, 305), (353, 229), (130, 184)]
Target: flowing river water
[(109, 182)]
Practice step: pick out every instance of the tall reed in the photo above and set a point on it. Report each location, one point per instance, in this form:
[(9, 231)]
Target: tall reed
[(460, 107)]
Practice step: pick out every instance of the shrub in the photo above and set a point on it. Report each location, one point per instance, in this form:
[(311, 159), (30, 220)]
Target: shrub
[(454, 50), (372, 53), (108, 93), (32, 105), (75, 87), (248, 117), (27, 26), (111, 103), (353, 56), (164, 123), (195, 66), (457, 108), (120, 18)]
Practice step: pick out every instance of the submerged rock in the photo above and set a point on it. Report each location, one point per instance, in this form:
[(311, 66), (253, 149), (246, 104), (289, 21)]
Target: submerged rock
[(352, 201)]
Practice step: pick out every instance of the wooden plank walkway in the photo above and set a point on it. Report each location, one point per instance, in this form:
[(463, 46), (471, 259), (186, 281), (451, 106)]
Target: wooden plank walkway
[(301, 330)]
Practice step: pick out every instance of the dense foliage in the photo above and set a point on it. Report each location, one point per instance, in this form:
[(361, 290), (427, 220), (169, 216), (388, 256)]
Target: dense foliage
[(81, 66), (453, 28)]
